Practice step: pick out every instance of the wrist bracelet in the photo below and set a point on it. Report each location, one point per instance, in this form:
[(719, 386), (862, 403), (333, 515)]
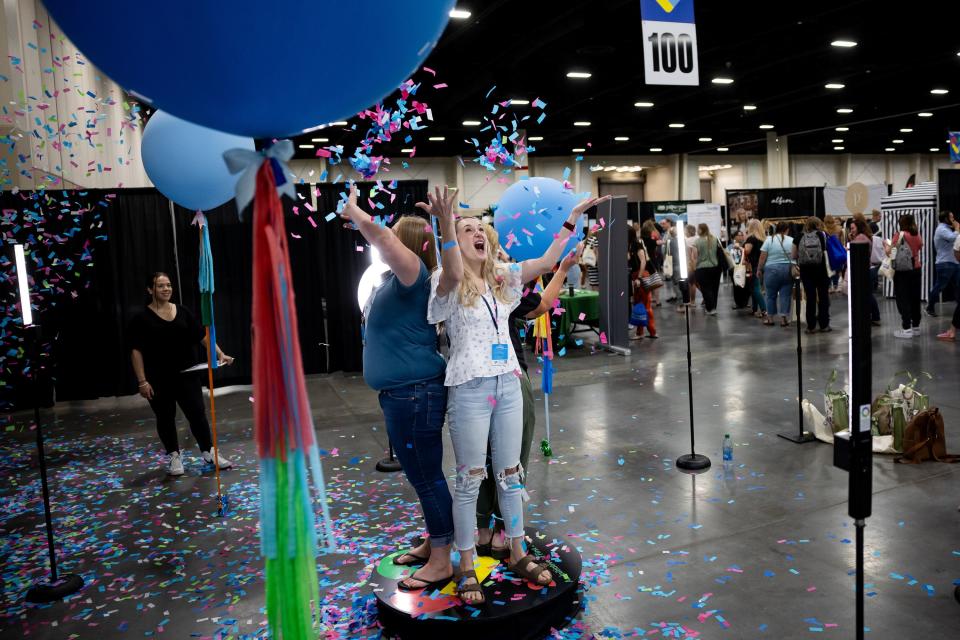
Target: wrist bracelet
[(144, 383), (569, 225), (448, 245)]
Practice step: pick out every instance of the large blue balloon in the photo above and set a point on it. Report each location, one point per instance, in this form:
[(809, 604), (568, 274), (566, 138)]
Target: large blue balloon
[(185, 161), (532, 212), (256, 68)]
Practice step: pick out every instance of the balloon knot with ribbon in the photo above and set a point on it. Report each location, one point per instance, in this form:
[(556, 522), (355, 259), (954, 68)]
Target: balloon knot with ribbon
[(247, 163)]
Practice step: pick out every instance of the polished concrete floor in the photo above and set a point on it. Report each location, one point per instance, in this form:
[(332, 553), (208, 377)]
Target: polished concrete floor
[(758, 548)]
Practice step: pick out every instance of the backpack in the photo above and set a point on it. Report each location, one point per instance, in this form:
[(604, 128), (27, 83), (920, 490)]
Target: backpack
[(836, 253), (638, 316), (810, 251), (924, 439), (903, 260)]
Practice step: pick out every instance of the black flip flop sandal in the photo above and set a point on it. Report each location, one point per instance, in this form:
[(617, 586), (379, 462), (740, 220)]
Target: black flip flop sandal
[(416, 562), (427, 586)]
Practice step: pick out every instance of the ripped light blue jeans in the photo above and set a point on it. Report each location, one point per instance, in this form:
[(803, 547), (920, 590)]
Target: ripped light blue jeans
[(478, 411)]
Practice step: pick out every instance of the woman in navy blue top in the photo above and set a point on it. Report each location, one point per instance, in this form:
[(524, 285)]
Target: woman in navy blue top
[(401, 361)]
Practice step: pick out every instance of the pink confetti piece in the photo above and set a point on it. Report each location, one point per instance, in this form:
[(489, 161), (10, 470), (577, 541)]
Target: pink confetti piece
[(603, 337), (442, 85), (492, 401), (310, 219), (430, 71), (581, 316)]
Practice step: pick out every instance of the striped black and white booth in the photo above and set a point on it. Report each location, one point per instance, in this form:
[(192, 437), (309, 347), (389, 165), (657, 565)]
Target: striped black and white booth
[(921, 202)]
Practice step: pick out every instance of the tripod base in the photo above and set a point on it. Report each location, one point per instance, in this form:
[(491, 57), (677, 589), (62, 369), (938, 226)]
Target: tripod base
[(799, 438), (45, 592), (389, 465), (692, 462)]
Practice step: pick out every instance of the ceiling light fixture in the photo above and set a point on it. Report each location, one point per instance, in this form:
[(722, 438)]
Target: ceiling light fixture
[(837, 141), (582, 123), (406, 150), (704, 139), (305, 146), (643, 104), (749, 107), (722, 149), (906, 130), (939, 92), (459, 14), (319, 140), (766, 126), (934, 149), (838, 148), (535, 138), (471, 123), (889, 149), (843, 44), (339, 123), (655, 149), (925, 114), (437, 139), (844, 110), (578, 150), (579, 74), (897, 141), (842, 129), (519, 101), (676, 125), (834, 85), (621, 139), (722, 81)]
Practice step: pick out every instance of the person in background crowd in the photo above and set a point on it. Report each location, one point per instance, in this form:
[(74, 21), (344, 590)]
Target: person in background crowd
[(490, 539), (741, 295), (652, 242), (950, 335), (592, 243), (401, 361), (811, 255), (708, 268), (948, 269), (774, 268), (665, 238), (751, 253), (638, 263), (164, 338), (675, 253), (832, 227), (877, 254), (907, 284), (875, 222), (691, 248)]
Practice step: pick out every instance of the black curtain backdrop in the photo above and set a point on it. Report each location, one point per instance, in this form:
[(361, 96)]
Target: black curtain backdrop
[(948, 181), (91, 351)]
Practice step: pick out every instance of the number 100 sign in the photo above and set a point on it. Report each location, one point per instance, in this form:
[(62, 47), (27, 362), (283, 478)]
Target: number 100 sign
[(670, 53)]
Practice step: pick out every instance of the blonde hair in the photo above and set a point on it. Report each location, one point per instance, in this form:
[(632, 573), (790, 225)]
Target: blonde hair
[(812, 224), (755, 229), (492, 273), (831, 226), (416, 234)]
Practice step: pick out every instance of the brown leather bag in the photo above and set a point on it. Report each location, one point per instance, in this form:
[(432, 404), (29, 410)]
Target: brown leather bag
[(924, 439)]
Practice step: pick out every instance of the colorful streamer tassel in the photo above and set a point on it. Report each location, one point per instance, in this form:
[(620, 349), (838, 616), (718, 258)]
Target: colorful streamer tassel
[(206, 283), (544, 346), (284, 432)]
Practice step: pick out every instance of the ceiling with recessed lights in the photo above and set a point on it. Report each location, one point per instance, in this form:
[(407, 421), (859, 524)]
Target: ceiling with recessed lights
[(892, 87)]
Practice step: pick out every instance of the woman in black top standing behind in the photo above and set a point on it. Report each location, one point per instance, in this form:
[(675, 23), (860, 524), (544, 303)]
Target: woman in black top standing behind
[(164, 341)]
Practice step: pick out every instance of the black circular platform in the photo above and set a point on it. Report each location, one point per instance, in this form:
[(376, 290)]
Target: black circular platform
[(515, 608)]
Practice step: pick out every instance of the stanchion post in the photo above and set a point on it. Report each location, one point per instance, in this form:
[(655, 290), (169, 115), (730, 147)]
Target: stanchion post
[(389, 464), (801, 436)]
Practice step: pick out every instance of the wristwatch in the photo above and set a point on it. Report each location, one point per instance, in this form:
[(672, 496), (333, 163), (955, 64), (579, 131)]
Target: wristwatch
[(569, 225)]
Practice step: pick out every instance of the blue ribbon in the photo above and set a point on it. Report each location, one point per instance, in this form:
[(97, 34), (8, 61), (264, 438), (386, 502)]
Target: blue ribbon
[(247, 163)]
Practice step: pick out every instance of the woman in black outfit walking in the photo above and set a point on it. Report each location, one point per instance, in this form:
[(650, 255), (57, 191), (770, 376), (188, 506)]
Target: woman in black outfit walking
[(810, 252), (164, 338)]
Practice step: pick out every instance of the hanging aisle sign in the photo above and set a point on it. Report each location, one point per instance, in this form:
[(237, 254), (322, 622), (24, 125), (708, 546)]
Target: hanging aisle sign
[(669, 42)]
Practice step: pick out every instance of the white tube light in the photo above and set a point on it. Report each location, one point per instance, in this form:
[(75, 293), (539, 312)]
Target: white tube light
[(25, 310), (682, 242)]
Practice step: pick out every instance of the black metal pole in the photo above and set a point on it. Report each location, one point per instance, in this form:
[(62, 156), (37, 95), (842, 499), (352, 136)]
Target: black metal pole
[(801, 435), (59, 586), (860, 524), (389, 464), (692, 461)]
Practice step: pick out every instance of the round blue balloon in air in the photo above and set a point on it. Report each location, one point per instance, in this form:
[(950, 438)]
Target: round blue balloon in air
[(254, 68), (530, 213), (185, 161)]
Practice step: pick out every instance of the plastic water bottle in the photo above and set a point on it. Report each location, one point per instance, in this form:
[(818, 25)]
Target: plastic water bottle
[(727, 447)]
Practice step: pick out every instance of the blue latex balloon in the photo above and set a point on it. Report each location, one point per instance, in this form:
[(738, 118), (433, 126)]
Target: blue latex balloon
[(185, 161), (254, 68), (543, 205)]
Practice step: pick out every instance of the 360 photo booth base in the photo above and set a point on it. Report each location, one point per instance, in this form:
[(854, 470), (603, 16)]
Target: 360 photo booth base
[(514, 608)]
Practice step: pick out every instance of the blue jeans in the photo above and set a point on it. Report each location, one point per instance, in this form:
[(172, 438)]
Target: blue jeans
[(779, 285), (947, 273), (486, 411), (758, 302), (414, 416)]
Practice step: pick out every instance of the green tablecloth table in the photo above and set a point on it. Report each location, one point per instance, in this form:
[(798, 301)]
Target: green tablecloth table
[(582, 301)]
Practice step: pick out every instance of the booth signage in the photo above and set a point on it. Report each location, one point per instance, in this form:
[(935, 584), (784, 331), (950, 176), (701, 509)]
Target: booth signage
[(670, 42)]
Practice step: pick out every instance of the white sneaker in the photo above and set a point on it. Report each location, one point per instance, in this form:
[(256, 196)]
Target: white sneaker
[(222, 462), (175, 465), (916, 331), (903, 333)]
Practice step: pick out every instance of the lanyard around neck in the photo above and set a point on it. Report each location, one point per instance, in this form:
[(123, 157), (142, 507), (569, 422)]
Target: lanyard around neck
[(493, 312)]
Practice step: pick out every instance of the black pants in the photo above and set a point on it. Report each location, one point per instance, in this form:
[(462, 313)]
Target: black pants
[(956, 315), (183, 390), (816, 286), (708, 279), (906, 289)]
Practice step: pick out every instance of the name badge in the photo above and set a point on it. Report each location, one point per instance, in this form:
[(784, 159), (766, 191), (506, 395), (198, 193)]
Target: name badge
[(499, 352)]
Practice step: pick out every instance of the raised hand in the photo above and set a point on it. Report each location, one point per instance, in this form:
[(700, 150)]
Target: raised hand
[(441, 205), (351, 211), (586, 204), (572, 258)]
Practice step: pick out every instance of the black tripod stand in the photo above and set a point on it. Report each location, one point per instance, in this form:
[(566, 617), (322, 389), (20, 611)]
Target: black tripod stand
[(692, 461)]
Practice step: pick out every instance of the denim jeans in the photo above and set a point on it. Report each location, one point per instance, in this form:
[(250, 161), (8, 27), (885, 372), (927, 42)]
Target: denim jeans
[(947, 273), (874, 307), (759, 304), (779, 285), (480, 412), (414, 416)]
